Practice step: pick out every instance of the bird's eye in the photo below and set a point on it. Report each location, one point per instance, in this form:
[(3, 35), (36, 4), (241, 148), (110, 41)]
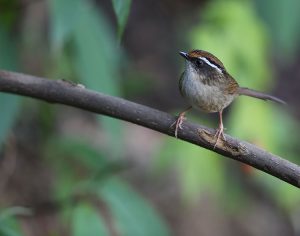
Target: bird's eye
[(199, 62)]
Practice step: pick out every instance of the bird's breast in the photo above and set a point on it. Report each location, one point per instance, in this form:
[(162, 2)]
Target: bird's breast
[(204, 96)]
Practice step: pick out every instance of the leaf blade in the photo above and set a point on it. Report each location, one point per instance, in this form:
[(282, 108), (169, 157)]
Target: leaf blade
[(87, 221), (121, 8), (9, 104), (132, 214)]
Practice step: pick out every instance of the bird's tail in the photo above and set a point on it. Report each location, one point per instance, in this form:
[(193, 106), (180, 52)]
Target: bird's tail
[(256, 94)]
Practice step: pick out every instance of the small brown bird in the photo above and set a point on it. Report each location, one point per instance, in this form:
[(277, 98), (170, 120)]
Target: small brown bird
[(207, 86)]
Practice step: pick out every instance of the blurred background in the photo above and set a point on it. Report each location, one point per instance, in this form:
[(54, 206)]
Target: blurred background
[(64, 171)]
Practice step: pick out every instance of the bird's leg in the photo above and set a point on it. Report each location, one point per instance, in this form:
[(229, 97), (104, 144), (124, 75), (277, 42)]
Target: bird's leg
[(179, 120), (220, 130)]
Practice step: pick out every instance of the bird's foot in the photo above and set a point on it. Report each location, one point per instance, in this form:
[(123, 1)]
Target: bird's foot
[(178, 123), (218, 134)]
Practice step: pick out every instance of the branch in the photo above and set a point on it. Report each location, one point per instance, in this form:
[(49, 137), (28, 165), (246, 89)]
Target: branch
[(63, 92)]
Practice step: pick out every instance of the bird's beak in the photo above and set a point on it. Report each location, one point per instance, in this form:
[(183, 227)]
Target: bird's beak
[(184, 55)]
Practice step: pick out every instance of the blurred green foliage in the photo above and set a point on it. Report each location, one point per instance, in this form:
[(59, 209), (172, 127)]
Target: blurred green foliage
[(9, 226), (96, 61), (77, 174), (87, 221), (95, 55), (85, 47), (200, 171), (283, 19), (9, 104), (8, 13), (132, 214), (121, 8)]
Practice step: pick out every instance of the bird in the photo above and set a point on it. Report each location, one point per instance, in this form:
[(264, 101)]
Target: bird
[(207, 86)]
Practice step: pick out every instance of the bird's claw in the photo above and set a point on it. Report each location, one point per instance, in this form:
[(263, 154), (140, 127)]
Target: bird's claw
[(218, 134), (178, 123)]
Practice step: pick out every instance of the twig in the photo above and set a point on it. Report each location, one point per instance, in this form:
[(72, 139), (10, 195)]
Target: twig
[(62, 92)]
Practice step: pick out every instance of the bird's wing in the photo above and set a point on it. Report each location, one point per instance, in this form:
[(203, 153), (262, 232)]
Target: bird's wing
[(231, 85)]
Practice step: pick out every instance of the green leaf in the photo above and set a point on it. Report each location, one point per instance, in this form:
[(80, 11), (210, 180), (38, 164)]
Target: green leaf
[(76, 150), (131, 213), (121, 8), (9, 226), (9, 13), (9, 104), (63, 20), (7, 231), (87, 221), (95, 54), (97, 63), (14, 211), (76, 162)]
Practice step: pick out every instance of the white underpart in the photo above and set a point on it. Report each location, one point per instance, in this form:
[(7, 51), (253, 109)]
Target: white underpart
[(202, 96), (210, 64)]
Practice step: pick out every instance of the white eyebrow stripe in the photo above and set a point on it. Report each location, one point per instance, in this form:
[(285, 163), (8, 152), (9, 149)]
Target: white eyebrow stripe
[(210, 64)]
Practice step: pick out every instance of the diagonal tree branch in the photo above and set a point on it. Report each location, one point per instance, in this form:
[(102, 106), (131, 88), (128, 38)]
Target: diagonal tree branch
[(63, 92)]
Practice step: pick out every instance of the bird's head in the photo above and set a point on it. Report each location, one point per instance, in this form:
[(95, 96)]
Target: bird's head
[(202, 63)]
